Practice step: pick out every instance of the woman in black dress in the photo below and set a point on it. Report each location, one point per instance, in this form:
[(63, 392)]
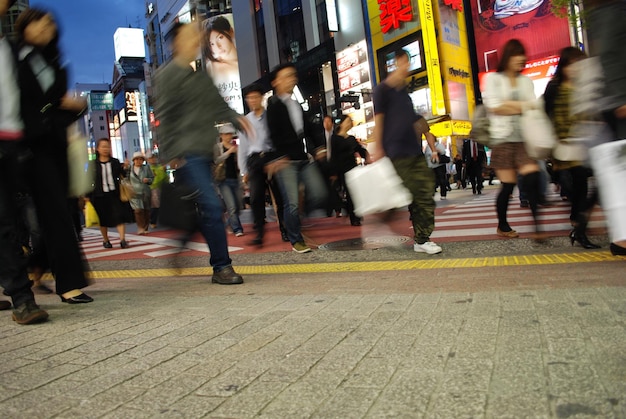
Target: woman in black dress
[(105, 197)]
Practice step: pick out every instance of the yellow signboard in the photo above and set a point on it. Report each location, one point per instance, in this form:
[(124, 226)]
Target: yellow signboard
[(449, 128), (432, 56)]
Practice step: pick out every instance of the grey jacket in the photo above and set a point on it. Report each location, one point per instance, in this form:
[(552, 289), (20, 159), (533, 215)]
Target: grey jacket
[(188, 105)]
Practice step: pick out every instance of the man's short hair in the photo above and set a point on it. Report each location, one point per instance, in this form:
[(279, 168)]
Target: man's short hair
[(280, 67), (254, 87)]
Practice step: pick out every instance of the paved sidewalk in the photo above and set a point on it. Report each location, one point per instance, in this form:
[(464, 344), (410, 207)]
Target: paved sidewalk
[(532, 341)]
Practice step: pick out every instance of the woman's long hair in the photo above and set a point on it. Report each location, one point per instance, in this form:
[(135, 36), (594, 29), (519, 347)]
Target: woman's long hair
[(569, 55), (220, 25), (512, 48)]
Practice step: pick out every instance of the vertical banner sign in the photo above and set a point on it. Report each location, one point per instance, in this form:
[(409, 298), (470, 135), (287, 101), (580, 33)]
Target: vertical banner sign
[(219, 50), (432, 56)]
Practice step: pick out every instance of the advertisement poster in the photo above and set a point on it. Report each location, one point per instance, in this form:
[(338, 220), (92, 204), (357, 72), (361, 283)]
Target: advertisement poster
[(530, 21), (219, 51)]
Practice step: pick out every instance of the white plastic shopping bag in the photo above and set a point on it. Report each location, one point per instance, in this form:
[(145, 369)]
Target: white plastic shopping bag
[(376, 187)]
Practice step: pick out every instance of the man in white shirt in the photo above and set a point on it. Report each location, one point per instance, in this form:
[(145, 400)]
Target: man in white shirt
[(251, 159)]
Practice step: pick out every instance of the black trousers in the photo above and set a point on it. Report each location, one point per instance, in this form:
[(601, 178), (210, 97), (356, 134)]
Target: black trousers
[(258, 183), (48, 178)]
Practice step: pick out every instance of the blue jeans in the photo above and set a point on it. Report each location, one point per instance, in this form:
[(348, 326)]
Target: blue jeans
[(289, 180), (196, 174), (13, 275), (231, 193)]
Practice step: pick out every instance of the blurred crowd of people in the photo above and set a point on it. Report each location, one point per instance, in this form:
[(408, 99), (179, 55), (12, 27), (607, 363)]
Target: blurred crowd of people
[(281, 157)]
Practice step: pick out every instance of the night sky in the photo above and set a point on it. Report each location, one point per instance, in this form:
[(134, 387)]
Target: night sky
[(87, 28)]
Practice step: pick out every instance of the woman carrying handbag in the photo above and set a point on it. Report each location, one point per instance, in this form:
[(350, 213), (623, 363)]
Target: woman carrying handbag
[(568, 158), (507, 94)]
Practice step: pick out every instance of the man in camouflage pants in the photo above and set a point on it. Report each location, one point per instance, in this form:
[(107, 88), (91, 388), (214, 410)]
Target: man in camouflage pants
[(398, 135)]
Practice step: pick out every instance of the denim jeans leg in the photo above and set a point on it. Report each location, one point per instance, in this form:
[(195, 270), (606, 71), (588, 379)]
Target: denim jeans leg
[(315, 189), (289, 189), (196, 173), (228, 189), (13, 277)]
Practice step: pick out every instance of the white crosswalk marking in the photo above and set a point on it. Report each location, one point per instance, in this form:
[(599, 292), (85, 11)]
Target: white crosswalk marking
[(477, 218), (140, 246)]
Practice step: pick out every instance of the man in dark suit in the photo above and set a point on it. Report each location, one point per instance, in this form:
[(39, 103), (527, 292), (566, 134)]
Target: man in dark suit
[(474, 156), (293, 139)]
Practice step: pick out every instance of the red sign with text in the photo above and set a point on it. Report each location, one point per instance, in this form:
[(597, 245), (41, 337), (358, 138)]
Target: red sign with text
[(392, 12)]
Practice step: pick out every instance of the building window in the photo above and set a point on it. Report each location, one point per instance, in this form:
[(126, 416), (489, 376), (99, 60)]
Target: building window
[(261, 41), (290, 25)]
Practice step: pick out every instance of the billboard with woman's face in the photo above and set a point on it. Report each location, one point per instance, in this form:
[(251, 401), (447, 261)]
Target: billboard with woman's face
[(219, 51)]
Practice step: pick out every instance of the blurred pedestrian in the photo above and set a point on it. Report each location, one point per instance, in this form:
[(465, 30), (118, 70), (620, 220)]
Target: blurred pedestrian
[(474, 157), (507, 94), (141, 178), (438, 168), (13, 276), (160, 176), (225, 152), (293, 138), (459, 176), (105, 198), (557, 99), (252, 155), (48, 110), (398, 135), (607, 34), (343, 159), (185, 101)]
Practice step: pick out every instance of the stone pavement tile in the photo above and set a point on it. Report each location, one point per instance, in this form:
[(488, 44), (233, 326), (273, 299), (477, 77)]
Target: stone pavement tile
[(99, 404), (392, 345), (191, 406), (232, 380), (347, 403), (309, 394), (15, 406), (518, 405), (9, 363), (365, 307), (372, 373), (560, 328), (457, 403), (53, 407), (291, 367), (250, 401), (407, 395), (252, 343), (565, 350), (158, 374), (28, 381), (7, 392), (160, 397)]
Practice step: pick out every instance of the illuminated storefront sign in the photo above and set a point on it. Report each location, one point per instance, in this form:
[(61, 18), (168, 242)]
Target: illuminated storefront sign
[(392, 12), (132, 105), (432, 56)]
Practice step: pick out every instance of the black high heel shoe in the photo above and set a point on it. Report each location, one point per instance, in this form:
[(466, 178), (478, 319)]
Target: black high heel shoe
[(582, 238), (618, 250), (79, 299)]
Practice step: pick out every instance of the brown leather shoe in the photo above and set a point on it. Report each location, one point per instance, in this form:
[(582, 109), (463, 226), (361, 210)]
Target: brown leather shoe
[(227, 276), (509, 234)]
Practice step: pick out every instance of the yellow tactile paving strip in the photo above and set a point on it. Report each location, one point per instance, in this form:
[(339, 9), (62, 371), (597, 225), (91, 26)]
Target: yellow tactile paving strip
[(434, 263)]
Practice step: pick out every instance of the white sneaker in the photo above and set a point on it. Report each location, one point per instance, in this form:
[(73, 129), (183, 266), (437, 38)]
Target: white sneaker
[(429, 247)]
